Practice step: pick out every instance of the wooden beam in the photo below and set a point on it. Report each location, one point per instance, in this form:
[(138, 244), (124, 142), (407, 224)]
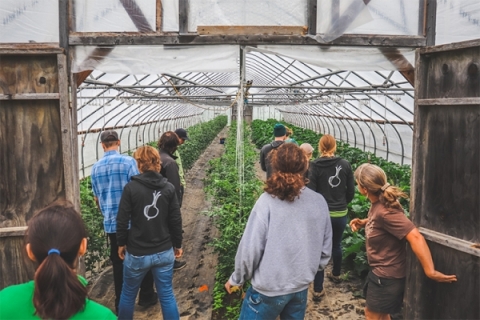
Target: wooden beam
[(451, 242), (451, 46), (449, 102), (255, 30), (13, 232), (312, 16), (159, 16), (401, 63), (431, 22), (113, 39), (183, 16), (30, 48), (30, 96)]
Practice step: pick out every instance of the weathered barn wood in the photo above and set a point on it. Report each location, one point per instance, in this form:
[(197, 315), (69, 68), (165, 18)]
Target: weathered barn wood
[(36, 158), (446, 181)]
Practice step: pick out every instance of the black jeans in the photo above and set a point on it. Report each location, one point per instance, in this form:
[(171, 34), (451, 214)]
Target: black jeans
[(146, 288)]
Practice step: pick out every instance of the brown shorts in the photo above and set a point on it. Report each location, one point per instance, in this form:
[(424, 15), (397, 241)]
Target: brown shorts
[(383, 295)]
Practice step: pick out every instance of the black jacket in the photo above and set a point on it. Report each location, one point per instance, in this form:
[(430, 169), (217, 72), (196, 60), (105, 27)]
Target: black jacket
[(170, 171), (264, 159), (150, 203), (333, 179)]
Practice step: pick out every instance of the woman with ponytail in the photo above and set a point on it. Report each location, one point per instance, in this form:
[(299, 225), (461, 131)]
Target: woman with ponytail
[(387, 229), (286, 240), (56, 239), (332, 177)]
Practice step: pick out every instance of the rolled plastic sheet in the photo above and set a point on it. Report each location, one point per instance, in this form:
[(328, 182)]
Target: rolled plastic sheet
[(247, 13), (344, 58), (24, 21), (157, 59), (115, 15)]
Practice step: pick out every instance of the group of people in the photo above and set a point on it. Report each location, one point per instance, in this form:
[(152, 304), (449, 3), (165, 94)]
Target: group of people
[(297, 224), (140, 200)]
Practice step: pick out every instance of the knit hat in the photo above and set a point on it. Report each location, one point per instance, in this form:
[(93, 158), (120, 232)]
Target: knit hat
[(279, 130)]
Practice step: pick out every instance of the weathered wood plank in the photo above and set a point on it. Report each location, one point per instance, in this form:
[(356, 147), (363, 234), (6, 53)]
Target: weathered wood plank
[(159, 14), (13, 232), (449, 102), (451, 242), (109, 39), (451, 46), (15, 267), (30, 96), (29, 48), (312, 16), (255, 30), (431, 22), (183, 16)]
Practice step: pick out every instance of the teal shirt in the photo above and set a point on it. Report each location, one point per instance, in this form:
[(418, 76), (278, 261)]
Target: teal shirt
[(16, 302)]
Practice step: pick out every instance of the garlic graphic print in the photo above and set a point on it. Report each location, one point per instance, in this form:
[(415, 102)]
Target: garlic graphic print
[(156, 195)]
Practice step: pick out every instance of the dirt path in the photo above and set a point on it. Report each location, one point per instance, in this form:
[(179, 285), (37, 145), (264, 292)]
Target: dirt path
[(193, 285), (341, 300)]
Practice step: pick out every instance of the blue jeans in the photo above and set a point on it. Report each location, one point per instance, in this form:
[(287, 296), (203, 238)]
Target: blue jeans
[(134, 270), (259, 306), (338, 227)]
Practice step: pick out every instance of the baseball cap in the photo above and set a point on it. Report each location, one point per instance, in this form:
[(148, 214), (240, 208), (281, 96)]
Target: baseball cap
[(109, 135), (182, 133)]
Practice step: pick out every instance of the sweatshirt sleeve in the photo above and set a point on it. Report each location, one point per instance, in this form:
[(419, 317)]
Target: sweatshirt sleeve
[(171, 173), (251, 248), (312, 177), (175, 222), (327, 243), (262, 160), (350, 184), (124, 216)]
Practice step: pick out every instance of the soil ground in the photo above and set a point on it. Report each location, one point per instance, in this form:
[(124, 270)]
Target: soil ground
[(193, 285)]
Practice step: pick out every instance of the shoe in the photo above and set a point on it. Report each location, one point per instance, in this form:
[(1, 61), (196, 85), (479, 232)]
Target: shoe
[(177, 265), (318, 296), (334, 279), (148, 302)]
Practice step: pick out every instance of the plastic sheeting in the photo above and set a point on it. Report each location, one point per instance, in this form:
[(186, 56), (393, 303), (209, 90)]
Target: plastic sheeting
[(247, 13), (158, 59), (340, 58), (457, 20)]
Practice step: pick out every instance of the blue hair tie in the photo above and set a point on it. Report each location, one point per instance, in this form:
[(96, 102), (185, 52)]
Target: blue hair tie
[(53, 251)]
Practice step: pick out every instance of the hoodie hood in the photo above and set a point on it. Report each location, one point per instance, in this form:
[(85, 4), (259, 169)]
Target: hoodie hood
[(151, 179), (277, 143), (326, 162)]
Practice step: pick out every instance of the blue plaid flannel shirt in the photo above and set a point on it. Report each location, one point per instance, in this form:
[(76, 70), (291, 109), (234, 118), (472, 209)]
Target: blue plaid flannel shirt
[(109, 175)]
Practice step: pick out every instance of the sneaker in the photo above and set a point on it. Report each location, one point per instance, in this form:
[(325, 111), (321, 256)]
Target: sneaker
[(148, 302), (334, 279), (318, 296), (177, 265)]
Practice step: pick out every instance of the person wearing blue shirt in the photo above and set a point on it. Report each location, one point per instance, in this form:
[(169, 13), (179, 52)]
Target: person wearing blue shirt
[(109, 176)]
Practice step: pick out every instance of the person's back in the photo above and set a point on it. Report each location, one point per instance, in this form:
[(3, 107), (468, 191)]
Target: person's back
[(56, 238), (279, 132)]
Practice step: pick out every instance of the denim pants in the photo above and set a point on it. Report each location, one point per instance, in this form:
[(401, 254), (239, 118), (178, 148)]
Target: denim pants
[(134, 270), (146, 288), (338, 227), (259, 306)]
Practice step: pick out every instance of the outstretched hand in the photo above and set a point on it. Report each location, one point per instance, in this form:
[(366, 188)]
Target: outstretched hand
[(440, 277)]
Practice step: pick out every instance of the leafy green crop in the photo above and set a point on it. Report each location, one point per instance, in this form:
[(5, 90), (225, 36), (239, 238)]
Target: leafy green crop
[(399, 175), (232, 205)]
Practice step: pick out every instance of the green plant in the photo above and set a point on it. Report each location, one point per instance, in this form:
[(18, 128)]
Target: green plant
[(98, 251), (232, 203)]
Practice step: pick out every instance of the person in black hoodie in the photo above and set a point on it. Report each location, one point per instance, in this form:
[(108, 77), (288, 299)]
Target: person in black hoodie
[(280, 135), (332, 177), (167, 145), (150, 204)]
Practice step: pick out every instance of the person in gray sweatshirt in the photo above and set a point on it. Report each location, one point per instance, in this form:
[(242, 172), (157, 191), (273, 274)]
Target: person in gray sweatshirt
[(287, 239)]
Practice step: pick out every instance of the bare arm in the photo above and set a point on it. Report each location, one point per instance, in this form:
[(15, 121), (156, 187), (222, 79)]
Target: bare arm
[(420, 248)]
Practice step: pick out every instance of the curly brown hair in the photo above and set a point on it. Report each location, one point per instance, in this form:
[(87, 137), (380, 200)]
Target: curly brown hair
[(148, 159), (289, 166)]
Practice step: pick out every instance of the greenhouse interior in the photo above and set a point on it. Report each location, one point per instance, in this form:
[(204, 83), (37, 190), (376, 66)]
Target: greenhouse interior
[(396, 83)]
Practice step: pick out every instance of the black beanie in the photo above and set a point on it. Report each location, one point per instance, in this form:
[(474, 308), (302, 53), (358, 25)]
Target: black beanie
[(279, 130)]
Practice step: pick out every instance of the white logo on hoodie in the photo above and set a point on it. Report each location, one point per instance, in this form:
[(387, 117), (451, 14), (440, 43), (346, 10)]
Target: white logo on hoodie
[(156, 195), (330, 180)]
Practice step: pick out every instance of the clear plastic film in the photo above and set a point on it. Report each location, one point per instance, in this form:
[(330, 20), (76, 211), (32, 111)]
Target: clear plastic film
[(457, 20), (346, 58), (335, 18), (247, 13), (156, 59)]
